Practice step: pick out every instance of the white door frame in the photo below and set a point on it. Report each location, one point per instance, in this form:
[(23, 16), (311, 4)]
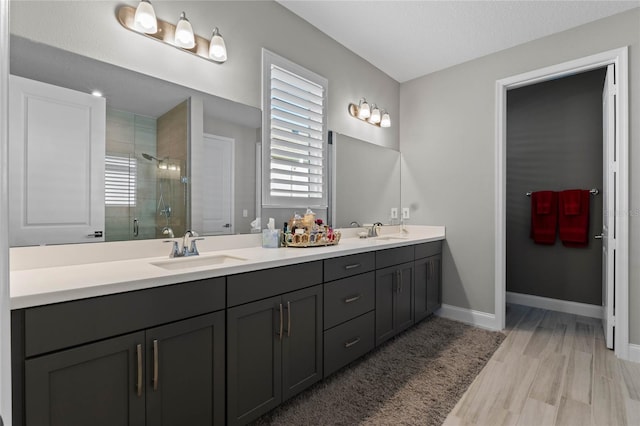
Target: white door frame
[(619, 57), (5, 341)]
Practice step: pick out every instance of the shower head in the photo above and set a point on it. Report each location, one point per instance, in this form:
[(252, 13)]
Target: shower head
[(149, 157)]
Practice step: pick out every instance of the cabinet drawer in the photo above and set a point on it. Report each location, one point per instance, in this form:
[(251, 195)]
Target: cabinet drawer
[(251, 286), (346, 266), (348, 342), (52, 327), (348, 298), (428, 249), (394, 256)]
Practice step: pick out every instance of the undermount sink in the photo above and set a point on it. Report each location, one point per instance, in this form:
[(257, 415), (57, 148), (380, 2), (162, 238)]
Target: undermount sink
[(391, 237), (196, 261)]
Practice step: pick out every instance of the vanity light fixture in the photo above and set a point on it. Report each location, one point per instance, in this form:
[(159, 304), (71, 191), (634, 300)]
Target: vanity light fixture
[(217, 48), (180, 36), (184, 33), (370, 113), (145, 18)]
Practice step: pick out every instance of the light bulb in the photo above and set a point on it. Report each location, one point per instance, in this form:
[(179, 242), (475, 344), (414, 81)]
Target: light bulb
[(375, 115), (184, 33), (385, 121), (145, 18), (217, 47), (364, 111)]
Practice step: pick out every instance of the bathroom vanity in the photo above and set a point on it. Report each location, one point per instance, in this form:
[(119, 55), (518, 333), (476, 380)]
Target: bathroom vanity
[(213, 343)]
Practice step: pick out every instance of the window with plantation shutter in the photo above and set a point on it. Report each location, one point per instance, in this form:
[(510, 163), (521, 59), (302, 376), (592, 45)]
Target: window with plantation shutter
[(295, 136), (120, 181)]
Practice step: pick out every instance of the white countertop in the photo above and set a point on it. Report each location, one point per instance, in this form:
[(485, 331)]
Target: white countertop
[(40, 285)]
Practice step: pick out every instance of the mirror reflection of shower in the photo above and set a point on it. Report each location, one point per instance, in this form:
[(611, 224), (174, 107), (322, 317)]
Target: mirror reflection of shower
[(163, 208)]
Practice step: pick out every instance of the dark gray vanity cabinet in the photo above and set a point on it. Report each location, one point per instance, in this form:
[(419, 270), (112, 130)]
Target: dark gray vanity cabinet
[(349, 301), (124, 359), (274, 345), (428, 279), (394, 291)]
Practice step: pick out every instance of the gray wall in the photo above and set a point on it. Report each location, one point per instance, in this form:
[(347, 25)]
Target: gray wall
[(90, 28), (554, 142), (447, 133)]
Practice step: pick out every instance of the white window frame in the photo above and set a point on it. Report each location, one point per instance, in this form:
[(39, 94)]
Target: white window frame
[(270, 59)]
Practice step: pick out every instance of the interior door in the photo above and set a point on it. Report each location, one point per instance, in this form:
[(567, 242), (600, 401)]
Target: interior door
[(218, 186), (608, 198), (56, 158)]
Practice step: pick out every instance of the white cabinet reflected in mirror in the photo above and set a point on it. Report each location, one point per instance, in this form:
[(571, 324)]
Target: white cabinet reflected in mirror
[(366, 182)]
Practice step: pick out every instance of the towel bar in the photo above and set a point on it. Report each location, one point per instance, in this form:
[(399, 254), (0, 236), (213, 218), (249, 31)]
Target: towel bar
[(593, 191)]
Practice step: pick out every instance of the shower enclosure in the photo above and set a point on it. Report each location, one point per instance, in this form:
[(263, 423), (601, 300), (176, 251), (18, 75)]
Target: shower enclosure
[(146, 184)]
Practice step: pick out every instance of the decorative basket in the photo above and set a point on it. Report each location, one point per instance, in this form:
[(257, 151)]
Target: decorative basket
[(312, 239)]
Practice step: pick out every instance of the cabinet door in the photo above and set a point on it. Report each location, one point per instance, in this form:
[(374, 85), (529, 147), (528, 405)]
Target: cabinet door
[(254, 359), (386, 288), (434, 284), (185, 372), (99, 384), (403, 308), (57, 160), (422, 268), (302, 342)]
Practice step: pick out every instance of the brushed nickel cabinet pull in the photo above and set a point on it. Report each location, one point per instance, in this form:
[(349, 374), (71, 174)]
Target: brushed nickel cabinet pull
[(351, 343), (355, 265), (352, 299), (288, 319), (155, 365), (281, 322), (139, 381)]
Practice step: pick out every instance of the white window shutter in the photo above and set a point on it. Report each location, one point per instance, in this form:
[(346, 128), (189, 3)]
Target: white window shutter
[(295, 136), (120, 180)]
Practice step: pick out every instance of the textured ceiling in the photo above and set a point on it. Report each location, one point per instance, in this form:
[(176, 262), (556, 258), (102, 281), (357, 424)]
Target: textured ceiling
[(408, 39)]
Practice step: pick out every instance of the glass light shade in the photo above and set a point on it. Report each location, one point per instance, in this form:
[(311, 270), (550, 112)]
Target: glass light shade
[(385, 121), (375, 116), (184, 33), (145, 18), (364, 111), (217, 47)]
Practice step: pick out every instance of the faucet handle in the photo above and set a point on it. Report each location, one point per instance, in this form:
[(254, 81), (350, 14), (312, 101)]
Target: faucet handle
[(175, 250), (193, 250)]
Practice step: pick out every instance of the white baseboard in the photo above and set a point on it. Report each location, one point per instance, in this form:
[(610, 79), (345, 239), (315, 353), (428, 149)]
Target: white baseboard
[(586, 310), (634, 352), (469, 316)]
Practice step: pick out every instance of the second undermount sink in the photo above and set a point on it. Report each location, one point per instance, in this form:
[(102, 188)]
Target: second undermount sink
[(197, 261), (392, 237)]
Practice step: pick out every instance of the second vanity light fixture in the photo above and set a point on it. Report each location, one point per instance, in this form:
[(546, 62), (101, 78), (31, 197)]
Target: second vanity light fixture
[(370, 113), (143, 21)]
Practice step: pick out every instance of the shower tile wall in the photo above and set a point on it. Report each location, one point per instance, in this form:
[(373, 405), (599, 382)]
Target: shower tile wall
[(129, 135)]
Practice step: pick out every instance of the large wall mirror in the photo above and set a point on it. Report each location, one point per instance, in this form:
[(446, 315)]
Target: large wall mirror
[(366, 182), (175, 158)]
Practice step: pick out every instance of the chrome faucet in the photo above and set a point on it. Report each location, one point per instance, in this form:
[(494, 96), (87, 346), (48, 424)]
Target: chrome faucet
[(374, 231), (167, 231), (189, 247)]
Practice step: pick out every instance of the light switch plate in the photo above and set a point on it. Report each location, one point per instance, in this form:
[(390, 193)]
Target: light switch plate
[(394, 212), (405, 213), (245, 213)]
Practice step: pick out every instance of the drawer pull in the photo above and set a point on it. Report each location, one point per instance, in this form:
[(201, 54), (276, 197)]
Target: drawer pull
[(155, 364), (139, 359), (352, 299), (355, 265), (351, 343)]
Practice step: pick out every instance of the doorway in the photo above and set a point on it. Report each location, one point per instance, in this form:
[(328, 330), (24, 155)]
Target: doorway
[(218, 199), (613, 170)]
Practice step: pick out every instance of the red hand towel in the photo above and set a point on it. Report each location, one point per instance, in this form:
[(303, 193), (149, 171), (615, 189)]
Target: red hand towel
[(574, 228), (544, 215), (572, 199)]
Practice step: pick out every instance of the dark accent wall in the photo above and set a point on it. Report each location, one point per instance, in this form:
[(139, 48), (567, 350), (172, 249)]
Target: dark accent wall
[(554, 142)]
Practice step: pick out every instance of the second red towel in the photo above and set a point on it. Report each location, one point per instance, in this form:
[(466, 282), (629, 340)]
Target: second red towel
[(544, 214), (573, 217)]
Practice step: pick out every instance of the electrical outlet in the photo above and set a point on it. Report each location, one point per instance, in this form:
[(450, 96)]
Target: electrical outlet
[(405, 213), (394, 212)]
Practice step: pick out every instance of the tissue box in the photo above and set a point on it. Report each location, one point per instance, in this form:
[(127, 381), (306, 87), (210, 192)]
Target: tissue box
[(270, 238)]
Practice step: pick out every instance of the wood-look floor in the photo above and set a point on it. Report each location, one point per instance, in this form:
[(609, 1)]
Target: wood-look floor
[(552, 369)]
